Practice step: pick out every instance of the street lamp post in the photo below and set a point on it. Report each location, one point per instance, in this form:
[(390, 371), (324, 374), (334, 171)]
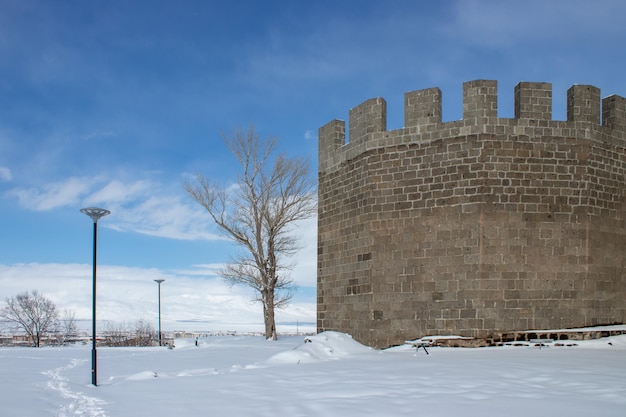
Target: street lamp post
[(159, 281), (95, 214)]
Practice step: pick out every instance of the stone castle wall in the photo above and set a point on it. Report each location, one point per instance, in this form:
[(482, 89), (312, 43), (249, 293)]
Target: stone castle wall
[(476, 226)]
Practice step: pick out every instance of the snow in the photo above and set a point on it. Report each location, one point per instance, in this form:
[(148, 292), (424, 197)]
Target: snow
[(328, 374)]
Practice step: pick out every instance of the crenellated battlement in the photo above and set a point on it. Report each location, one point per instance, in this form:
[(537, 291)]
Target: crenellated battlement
[(587, 117)]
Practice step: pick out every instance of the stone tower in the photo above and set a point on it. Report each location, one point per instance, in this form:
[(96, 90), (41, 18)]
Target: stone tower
[(476, 226)]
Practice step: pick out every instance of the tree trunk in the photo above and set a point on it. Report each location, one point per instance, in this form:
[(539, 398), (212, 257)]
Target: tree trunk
[(268, 313)]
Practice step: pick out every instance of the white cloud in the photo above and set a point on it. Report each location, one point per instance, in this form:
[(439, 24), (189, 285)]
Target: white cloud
[(53, 195), (161, 216), (329, 51), (143, 207), (128, 294), (118, 192), (139, 206), (304, 272), (496, 23), (5, 174)]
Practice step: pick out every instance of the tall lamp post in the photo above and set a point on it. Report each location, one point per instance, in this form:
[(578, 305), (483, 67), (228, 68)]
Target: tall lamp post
[(159, 281), (95, 213)]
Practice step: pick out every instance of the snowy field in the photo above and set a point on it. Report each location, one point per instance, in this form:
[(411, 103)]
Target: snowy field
[(330, 376)]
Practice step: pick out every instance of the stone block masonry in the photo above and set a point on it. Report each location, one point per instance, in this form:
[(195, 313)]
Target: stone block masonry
[(473, 227)]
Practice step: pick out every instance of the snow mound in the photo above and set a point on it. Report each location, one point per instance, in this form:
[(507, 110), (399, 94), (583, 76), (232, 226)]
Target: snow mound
[(142, 376), (147, 375), (184, 343), (612, 342), (321, 347)]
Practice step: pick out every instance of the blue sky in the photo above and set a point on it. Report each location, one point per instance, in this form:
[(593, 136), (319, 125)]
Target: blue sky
[(113, 104)]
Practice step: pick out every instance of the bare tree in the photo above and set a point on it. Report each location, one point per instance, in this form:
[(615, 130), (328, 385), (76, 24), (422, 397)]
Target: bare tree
[(258, 214), (144, 333), (67, 329), (139, 333), (116, 334), (33, 312)]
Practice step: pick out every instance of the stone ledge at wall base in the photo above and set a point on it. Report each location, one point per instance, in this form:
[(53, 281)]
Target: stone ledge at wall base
[(556, 338), (555, 335)]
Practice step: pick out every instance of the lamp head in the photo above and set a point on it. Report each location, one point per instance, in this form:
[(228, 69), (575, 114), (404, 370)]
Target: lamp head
[(95, 213)]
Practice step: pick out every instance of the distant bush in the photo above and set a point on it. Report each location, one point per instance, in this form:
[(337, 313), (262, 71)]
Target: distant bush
[(139, 333)]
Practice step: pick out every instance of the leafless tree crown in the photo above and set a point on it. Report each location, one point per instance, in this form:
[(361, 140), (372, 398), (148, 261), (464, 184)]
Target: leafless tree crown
[(258, 212), (32, 312)]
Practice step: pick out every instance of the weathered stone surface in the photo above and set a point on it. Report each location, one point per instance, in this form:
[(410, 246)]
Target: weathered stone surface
[(477, 226)]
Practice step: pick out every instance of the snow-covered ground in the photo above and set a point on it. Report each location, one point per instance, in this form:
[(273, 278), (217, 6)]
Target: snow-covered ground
[(331, 375)]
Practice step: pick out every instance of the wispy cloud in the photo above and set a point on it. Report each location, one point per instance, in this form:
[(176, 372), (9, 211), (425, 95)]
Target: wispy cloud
[(53, 195), (501, 24), (163, 216), (5, 174), (118, 192), (304, 272), (340, 47), (140, 206), (144, 207)]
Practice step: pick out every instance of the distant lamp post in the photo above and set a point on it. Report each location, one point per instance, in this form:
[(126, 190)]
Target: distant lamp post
[(159, 281), (95, 214)]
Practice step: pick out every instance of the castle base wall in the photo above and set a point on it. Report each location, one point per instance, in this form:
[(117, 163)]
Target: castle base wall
[(483, 271)]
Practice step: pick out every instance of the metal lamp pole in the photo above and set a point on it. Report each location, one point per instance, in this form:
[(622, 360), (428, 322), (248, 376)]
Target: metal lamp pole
[(95, 214), (159, 281)]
